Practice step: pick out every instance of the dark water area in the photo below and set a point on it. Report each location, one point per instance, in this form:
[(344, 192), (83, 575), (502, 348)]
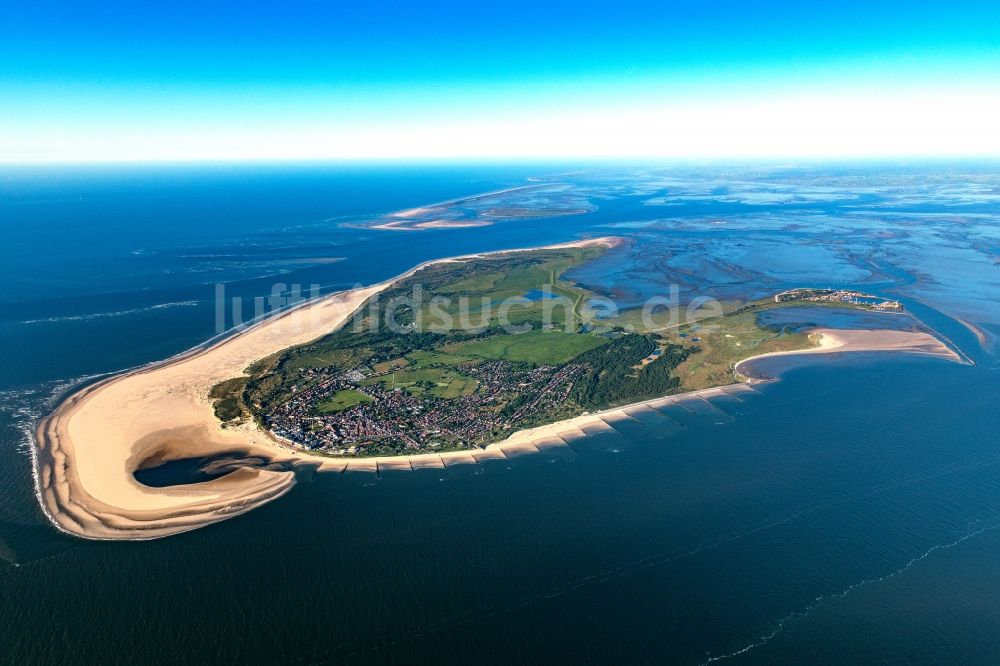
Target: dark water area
[(847, 513), (850, 481), (176, 472), (798, 318), (160, 474), (538, 295)]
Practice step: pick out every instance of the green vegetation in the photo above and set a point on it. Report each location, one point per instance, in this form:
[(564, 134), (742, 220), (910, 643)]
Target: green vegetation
[(615, 374), (473, 284), (331, 357), (227, 396), (435, 381), (727, 340), (467, 284), (264, 365), (427, 359), (341, 400), (390, 365), (228, 409), (537, 346)]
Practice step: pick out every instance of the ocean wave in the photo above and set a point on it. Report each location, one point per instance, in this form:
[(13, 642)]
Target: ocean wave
[(24, 407), (102, 315)]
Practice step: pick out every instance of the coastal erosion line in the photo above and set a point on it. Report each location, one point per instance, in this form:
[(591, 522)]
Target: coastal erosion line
[(87, 451)]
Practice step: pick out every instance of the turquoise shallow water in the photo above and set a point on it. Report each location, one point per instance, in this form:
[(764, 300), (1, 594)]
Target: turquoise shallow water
[(847, 513)]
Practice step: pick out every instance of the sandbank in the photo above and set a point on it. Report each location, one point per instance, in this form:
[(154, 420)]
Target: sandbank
[(452, 224), (827, 340)]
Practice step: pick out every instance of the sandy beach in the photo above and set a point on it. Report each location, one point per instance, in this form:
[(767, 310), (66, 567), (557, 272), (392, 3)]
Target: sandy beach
[(403, 220), (828, 340), (87, 450), (409, 225), (413, 212), (452, 224)]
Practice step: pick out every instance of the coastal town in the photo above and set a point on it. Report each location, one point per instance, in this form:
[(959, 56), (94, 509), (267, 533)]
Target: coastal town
[(839, 296), (385, 416)]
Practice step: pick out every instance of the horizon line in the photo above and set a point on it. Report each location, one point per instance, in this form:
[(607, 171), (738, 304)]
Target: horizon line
[(504, 159)]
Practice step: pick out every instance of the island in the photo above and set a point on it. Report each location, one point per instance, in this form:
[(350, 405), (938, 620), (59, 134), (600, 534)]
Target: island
[(457, 361), (540, 200)]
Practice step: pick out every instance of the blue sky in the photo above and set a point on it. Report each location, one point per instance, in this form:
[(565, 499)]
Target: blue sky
[(258, 80)]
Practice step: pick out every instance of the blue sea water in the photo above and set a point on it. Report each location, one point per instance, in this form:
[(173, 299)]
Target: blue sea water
[(848, 513), (798, 318)]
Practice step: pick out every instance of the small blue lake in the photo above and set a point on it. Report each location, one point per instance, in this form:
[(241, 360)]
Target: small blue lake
[(540, 295)]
